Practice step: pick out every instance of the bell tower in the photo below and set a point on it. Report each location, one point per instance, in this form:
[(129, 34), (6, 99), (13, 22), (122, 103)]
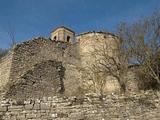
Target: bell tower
[(63, 34)]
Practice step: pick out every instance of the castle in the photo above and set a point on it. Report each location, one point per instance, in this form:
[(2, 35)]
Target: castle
[(41, 79), (47, 66)]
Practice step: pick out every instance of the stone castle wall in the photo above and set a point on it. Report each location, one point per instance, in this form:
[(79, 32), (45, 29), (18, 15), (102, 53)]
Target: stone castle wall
[(91, 41), (37, 69), (5, 69), (145, 106), (26, 79), (33, 64)]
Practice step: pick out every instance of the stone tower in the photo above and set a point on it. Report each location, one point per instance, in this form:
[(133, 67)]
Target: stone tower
[(63, 34)]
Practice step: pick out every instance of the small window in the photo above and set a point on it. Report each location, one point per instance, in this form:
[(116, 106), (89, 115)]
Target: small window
[(68, 38), (55, 37), (105, 36)]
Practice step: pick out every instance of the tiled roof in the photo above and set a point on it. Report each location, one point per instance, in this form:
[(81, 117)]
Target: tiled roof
[(64, 28), (101, 32)]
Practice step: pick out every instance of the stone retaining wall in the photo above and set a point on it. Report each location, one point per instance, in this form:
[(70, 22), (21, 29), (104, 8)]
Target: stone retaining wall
[(144, 106)]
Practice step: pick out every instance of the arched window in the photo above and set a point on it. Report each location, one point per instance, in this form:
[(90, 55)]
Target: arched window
[(68, 38), (55, 37)]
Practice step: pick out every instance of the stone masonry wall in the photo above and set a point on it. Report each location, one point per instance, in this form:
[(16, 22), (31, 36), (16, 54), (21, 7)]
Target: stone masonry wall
[(5, 67), (32, 52), (90, 41), (35, 52), (144, 106), (45, 79)]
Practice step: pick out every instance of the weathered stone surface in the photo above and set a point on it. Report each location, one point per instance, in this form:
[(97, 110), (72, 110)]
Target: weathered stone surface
[(40, 67), (142, 106), (5, 69), (36, 107), (44, 67), (37, 69), (45, 106), (3, 109), (28, 106), (43, 80)]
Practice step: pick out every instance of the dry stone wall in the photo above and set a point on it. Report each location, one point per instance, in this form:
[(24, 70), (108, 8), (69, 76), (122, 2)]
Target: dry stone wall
[(144, 106)]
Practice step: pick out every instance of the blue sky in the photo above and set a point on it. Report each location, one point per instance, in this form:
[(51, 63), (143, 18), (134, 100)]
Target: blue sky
[(31, 18)]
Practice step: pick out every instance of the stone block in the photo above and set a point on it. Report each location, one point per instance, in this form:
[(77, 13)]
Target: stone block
[(30, 116), (21, 117), (29, 106), (16, 107), (36, 107), (54, 115), (3, 109), (45, 106)]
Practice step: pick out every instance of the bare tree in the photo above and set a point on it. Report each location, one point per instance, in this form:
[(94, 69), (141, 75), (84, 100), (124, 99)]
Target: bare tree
[(10, 31), (94, 79), (143, 41), (109, 58), (114, 61)]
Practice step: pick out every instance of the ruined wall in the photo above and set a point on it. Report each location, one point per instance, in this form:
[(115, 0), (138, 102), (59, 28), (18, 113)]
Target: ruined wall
[(45, 79), (144, 106), (5, 67), (35, 52), (72, 57), (32, 52)]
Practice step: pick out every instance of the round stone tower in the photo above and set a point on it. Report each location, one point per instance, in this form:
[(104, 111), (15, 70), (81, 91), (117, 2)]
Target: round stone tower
[(90, 42), (63, 34)]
